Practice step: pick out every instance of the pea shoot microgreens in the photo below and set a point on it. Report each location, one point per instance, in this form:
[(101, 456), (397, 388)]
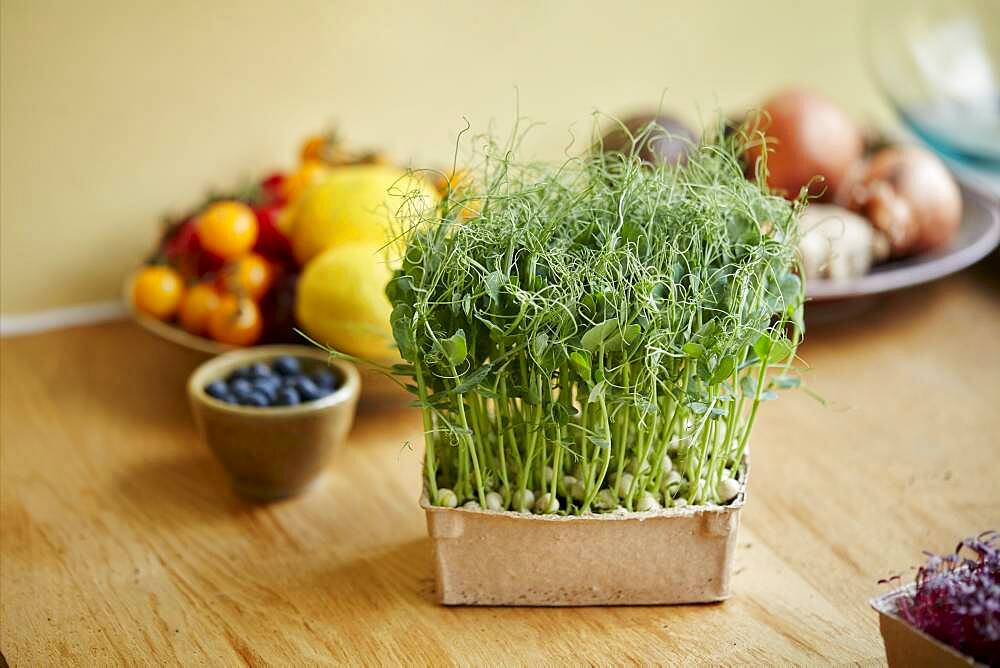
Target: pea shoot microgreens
[(599, 335)]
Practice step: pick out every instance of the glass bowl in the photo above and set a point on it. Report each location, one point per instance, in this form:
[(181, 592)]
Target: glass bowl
[(938, 62)]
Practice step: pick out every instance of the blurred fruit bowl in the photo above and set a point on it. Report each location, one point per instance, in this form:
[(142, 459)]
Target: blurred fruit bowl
[(303, 250)]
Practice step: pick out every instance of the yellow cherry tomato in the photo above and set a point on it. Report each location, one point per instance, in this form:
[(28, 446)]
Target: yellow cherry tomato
[(251, 276), (236, 321), (158, 292), (199, 304), (228, 229)]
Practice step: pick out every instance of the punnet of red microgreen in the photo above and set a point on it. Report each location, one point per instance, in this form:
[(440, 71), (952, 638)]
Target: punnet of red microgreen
[(597, 335), (956, 598)]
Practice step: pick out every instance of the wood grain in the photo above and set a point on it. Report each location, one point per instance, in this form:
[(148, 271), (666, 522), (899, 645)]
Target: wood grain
[(121, 543)]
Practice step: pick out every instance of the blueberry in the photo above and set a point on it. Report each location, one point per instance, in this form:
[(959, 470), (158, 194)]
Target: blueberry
[(255, 399), (308, 390), (229, 398), (287, 396), (267, 387), (237, 374), (241, 387), (259, 370), (325, 380), (286, 365), (217, 389)]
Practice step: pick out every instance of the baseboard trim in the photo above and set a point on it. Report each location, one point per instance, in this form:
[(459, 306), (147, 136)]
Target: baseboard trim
[(60, 318)]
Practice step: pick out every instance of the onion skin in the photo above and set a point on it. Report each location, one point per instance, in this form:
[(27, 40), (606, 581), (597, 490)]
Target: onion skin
[(908, 194), (669, 143), (808, 136)]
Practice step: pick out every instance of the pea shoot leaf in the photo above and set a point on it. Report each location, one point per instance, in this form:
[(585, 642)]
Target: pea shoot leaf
[(786, 382), (560, 414), (580, 364), (540, 344), (724, 370), (493, 282), (772, 349), (399, 289), (596, 392), (693, 350), (455, 348), (622, 339), (780, 350), (789, 288), (598, 334), (472, 380), (602, 442), (401, 321)]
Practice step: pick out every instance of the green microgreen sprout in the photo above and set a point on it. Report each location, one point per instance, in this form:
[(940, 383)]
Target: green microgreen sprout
[(597, 336)]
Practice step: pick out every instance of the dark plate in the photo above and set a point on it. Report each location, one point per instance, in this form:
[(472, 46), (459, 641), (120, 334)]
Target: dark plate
[(978, 235)]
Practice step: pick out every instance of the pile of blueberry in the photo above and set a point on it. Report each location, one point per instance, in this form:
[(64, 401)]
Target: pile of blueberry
[(282, 384)]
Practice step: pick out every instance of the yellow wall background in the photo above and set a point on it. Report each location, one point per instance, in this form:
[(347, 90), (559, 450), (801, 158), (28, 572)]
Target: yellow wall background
[(115, 111)]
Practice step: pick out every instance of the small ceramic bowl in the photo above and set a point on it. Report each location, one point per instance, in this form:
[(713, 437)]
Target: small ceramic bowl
[(275, 452)]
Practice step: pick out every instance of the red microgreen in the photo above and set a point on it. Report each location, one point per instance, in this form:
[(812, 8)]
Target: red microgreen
[(956, 598)]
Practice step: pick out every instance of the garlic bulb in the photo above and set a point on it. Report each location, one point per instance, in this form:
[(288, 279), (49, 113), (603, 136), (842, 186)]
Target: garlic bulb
[(838, 244)]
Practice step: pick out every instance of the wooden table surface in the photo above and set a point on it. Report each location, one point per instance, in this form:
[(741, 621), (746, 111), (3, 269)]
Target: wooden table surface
[(121, 542)]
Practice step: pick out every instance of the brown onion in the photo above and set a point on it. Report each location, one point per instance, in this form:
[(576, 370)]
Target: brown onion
[(808, 136), (907, 193)]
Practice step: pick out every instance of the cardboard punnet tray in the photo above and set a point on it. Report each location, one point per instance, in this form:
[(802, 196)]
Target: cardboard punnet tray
[(908, 646), (677, 555)]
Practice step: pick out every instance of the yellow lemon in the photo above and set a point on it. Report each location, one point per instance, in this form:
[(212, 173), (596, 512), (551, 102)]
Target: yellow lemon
[(340, 301), (372, 203)]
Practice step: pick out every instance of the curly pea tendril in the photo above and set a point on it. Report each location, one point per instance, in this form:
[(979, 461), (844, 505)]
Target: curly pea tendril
[(596, 335)]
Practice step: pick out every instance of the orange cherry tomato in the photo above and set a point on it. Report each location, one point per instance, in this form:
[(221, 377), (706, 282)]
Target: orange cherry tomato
[(199, 304), (457, 180), (158, 292), (250, 276), (323, 148), (307, 175), (228, 229), (236, 321), (312, 148)]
